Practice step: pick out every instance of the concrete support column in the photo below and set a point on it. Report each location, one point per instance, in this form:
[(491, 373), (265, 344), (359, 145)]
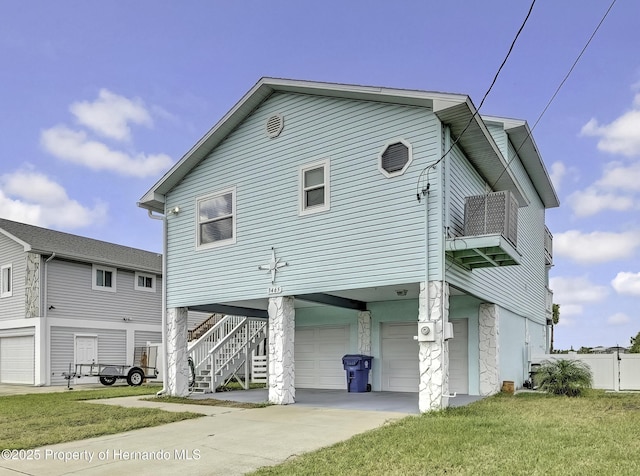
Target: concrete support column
[(434, 355), (488, 341), (364, 332), (177, 355), (282, 314)]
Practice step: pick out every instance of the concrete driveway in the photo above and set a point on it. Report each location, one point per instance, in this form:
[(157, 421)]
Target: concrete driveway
[(227, 441)]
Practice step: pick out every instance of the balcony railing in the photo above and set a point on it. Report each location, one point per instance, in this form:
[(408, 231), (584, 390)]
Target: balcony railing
[(548, 247)]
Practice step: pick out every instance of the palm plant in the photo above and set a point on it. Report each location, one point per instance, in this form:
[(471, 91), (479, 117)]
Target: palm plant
[(563, 377)]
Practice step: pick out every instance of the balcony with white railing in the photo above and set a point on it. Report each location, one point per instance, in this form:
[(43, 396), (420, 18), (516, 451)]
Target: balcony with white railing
[(548, 247)]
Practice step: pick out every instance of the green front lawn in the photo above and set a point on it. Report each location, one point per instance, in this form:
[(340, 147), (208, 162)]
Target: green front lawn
[(530, 433), (29, 421)]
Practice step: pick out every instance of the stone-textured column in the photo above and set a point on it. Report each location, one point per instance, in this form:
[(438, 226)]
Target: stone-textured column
[(364, 332), (282, 313), (489, 355), (434, 356), (177, 383), (32, 286)]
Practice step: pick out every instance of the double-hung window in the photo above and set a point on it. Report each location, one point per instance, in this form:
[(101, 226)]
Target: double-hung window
[(216, 219), (104, 278), (6, 281), (314, 187), (145, 282)]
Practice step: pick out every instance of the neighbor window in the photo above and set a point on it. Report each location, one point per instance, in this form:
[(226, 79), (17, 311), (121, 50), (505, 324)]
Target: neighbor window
[(145, 282), (104, 278), (7, 284), (314, 187), (216, 219)]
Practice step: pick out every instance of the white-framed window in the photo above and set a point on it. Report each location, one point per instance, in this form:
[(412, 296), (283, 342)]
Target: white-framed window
[(103, 278), (395, 157), (6, 281), (314, 187), (145, 282), (216, 219)]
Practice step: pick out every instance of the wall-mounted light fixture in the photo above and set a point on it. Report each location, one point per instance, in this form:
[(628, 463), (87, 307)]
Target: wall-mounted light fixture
[(127, 319), (51, 307), (401, 292), (174, 211)]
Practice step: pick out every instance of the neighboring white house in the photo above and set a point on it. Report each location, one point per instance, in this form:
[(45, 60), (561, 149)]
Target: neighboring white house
[(355, 218), (68, 299)]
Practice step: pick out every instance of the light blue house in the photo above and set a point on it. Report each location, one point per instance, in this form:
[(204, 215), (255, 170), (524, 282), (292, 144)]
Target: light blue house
[(356, 219)]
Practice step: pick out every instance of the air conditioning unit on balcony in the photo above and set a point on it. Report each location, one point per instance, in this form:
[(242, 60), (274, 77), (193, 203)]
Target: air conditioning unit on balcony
[(492, 214)]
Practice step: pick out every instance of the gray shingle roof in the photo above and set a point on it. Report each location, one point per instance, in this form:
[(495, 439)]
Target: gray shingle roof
[(66, 245)]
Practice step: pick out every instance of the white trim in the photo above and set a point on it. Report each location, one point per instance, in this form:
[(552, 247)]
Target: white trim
[(95, 286), (406, 166), (233, 215), (326, 206), (137, 287), (9, 289)]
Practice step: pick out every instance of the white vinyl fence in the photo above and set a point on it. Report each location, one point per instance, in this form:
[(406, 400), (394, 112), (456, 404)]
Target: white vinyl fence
[(610, 371)]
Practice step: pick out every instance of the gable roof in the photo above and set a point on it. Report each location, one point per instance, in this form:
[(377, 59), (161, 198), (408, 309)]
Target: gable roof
[(455, 110), (64, 245)]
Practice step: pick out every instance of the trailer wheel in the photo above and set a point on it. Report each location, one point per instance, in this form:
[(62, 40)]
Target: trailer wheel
[(107, 380), (135, 377)]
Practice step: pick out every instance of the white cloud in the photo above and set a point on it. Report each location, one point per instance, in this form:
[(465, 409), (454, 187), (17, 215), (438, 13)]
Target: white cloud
[(110, 114), (573, 293), (76, 147), (31, 197), (558, 172), (627, 283), (621, 135), (618, 319), (592, 201), (619, 176), (595, 247)]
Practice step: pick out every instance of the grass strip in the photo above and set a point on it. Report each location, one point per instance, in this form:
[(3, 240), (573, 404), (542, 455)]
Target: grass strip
[(211, 402), (30, 421), (532, 434)]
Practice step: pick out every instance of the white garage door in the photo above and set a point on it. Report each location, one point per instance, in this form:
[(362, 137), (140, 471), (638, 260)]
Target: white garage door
[(318, 356), (399, 357), (400, 372), (17, 360)]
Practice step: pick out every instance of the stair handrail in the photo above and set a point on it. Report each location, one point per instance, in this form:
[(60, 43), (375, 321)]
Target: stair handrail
[(248, 338), (199, 349)]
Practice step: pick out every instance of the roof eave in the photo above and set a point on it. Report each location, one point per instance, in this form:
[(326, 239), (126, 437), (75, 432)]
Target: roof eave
[(479, 146), (522, 139)]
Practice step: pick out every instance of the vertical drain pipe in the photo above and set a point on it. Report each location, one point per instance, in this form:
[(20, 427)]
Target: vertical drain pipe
[(164, 300)]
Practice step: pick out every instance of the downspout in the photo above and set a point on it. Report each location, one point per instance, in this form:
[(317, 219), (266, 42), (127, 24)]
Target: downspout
[(165, 369), (45, 321)]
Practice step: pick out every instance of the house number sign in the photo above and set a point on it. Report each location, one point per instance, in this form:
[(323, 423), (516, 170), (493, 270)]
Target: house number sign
[(273, 267)]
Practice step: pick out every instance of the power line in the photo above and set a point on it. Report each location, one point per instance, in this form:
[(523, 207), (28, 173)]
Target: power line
[(564, 80), (495, 78)]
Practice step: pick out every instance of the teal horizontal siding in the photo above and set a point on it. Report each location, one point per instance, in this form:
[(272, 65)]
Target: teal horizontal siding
[(520, 289), (373, 234)]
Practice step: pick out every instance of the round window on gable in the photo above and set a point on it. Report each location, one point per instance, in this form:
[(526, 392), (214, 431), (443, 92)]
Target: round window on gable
[(274, 125), (395, 157)]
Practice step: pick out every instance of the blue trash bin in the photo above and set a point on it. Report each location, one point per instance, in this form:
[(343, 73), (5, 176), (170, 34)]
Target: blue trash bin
[(357, 367)]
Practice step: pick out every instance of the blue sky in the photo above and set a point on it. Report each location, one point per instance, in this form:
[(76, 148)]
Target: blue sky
[(99, 99)]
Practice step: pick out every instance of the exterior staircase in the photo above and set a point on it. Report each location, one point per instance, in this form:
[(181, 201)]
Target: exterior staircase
[(225, 351)]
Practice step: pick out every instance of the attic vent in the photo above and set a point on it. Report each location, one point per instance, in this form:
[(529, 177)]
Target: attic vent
[(492, 214), (395, 158), (274, 125)]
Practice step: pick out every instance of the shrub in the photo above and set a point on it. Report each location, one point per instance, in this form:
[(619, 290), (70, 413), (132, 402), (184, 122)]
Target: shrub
[(563, 377)]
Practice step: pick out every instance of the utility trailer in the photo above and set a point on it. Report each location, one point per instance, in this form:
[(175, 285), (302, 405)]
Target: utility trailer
[(144, 366)]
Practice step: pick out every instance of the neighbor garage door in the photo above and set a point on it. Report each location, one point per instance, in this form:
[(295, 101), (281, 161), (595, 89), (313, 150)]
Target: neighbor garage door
[(400, 371), (17, 360), (318, 356)]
